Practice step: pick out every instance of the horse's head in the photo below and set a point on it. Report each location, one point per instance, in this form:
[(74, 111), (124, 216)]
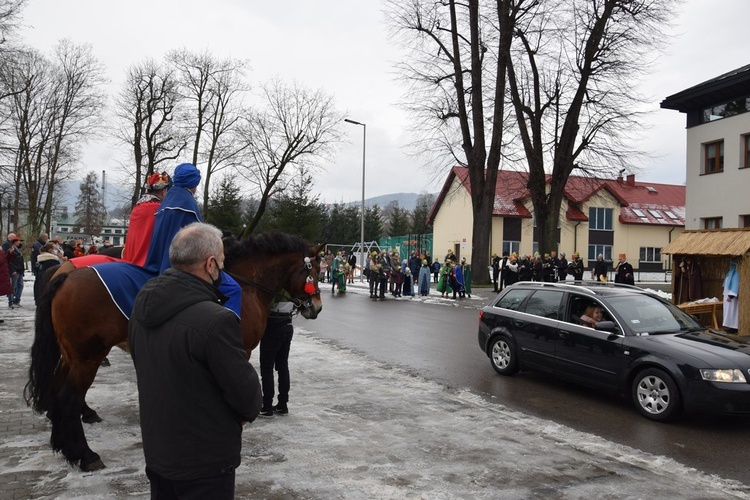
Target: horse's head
[(281, 266)]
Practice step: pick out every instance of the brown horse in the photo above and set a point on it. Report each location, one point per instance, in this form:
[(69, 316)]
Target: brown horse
[(77, 324)]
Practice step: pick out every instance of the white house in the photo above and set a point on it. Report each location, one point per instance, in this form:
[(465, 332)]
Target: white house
[(718, 150)]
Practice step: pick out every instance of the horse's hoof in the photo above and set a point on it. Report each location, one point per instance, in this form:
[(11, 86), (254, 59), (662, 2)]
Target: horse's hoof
[(91, 418), (93, 466)]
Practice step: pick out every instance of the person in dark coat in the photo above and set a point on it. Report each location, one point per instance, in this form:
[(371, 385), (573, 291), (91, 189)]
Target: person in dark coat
[(496, 287), (196, 387), (562, 267), (274, 354), (601, 269), (47, 258), (16, 268), (576, 267), (624, 271), (36, 248)]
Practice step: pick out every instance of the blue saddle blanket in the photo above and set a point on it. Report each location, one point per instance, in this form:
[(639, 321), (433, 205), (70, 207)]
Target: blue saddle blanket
[(123, 281)]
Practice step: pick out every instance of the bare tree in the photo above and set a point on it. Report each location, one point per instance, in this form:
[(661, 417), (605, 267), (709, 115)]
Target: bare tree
[(52, 112), (146, 108), (296, 127), (458, 73), (565, 66), (213, 88), (10, 11), (90, 211), (571, 82)]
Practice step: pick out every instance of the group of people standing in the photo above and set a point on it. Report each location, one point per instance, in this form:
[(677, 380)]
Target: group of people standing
[(510, 269)]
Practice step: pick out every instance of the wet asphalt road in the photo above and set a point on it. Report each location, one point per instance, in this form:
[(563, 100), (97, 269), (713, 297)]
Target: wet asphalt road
[(438, 341)]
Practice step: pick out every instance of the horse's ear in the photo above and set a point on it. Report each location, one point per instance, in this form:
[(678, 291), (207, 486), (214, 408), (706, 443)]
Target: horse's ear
[(315, 250), (229, 243)]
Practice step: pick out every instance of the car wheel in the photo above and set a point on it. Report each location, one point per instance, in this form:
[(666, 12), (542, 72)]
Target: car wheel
[(655, 395), (503, 356)]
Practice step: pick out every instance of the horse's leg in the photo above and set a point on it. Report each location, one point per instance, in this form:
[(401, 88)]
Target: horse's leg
[(67, 430)]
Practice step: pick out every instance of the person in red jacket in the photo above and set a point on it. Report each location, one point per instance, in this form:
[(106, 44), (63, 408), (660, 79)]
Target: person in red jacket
[(142, 219)]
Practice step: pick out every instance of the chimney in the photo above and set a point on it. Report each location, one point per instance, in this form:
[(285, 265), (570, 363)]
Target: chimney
[(619, 175), (630, 180)]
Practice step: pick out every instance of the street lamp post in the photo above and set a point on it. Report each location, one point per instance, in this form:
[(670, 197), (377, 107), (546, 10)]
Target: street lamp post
[(362, 214)]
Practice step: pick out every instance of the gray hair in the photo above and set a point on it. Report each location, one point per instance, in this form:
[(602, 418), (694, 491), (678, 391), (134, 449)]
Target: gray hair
[(194, 244)]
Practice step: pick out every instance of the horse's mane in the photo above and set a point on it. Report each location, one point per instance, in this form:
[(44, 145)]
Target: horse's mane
[(271, 243)]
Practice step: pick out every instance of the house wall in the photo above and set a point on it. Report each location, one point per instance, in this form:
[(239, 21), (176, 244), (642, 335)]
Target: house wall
[(453, 222), (453, 225), (722, 194)]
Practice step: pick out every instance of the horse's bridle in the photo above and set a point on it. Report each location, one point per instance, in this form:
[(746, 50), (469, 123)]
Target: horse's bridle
[(299, 304)]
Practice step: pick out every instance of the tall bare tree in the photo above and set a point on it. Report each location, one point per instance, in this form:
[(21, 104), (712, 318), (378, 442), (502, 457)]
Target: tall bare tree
[(146, 108), (213, 89), (295, 127), (458, 73), (54, 110), (568, 67), (571, 79)]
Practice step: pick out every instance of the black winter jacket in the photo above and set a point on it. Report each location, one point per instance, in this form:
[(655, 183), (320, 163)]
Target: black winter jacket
[(195, 385)]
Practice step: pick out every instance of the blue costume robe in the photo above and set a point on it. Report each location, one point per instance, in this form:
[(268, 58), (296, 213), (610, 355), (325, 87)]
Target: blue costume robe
[(177, 210)]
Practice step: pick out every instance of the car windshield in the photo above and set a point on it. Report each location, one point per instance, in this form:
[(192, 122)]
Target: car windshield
[(648, 314)]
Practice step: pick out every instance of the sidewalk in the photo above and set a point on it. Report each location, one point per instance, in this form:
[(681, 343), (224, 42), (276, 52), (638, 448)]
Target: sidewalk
[(356, 430)]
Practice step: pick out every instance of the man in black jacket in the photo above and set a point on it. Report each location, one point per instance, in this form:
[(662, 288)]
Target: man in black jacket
[(195, 385)]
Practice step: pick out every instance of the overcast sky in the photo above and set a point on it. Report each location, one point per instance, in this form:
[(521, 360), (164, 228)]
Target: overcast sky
[(342, 47)]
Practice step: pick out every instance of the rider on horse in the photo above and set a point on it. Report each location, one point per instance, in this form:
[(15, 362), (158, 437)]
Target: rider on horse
[(142, 219)]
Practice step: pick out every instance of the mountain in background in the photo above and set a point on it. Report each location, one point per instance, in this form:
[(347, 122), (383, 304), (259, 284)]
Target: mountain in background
[(118, 196), (407, 201)]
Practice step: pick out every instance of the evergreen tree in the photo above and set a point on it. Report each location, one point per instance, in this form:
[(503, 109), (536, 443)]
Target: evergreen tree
[(425, 202), (373, 224), (296, 211), (399, 223), (343, 225), (90, 211), (225, 206)]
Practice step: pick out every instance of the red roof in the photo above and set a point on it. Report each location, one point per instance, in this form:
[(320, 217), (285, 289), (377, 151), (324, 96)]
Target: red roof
[(641, 202)]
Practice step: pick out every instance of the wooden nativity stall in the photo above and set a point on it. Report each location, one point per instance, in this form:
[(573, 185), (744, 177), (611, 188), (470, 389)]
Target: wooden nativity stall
[(714, 250)]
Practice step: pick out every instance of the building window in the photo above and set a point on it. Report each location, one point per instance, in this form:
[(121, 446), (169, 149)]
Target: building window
[(713, 157), (600, 218), (746, 151), (744, 220), (726, 109), (595, 250), (650, 254), (511, 246), (712, 223)]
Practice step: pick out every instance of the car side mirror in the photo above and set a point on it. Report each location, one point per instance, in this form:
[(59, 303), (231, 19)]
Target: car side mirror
[(607, 326)]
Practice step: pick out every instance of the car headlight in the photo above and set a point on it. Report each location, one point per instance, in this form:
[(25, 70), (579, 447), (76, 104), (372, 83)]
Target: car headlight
[(735, 376)]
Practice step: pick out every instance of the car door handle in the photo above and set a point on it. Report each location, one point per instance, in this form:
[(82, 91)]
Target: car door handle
[(563, 334), (518, 323)]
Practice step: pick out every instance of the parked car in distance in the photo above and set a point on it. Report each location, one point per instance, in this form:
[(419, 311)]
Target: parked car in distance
[(636, 344)]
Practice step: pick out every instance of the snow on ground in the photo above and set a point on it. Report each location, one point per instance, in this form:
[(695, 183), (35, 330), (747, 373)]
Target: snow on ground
[(357, 429)]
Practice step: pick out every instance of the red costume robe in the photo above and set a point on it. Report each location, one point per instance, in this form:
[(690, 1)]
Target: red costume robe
[(141, 227)]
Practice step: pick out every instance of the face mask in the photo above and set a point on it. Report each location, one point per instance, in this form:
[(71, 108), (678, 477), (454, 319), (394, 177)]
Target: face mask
[(216, 281)]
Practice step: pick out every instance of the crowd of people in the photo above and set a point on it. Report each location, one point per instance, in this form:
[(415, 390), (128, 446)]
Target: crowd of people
[(388, 274), (511, 268)]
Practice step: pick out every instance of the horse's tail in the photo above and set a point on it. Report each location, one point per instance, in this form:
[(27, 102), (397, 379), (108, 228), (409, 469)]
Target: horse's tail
[(45, 353)]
